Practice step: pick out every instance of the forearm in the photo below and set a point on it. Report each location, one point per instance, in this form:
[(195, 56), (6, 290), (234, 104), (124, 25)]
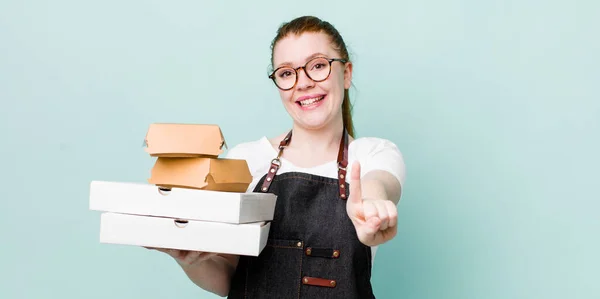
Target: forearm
[(213, 274), (380, 184)]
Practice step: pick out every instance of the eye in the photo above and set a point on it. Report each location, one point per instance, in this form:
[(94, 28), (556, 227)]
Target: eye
[(284, 73), (319, 66)]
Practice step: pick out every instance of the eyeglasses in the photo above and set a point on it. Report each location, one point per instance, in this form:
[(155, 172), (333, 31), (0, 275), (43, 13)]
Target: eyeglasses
[(317, 69)]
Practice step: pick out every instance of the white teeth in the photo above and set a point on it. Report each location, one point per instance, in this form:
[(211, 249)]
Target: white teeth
[(311, 101)]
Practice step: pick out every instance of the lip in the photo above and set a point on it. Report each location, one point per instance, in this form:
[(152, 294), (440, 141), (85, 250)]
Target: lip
[(311, 106), (310, 96)]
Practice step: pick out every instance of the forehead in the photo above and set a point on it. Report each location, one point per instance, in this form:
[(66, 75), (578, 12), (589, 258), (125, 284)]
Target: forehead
[(296, 49)]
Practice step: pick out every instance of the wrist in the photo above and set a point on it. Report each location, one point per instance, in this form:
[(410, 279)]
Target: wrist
[(373, 190)]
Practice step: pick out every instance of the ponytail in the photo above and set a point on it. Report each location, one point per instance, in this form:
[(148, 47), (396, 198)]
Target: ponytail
[(347, 113)]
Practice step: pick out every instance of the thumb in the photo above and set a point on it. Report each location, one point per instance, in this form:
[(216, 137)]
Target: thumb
[(355, 188)]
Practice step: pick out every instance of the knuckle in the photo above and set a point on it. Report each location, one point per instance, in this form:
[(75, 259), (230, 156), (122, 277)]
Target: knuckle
[(384, 215), (184, 262)]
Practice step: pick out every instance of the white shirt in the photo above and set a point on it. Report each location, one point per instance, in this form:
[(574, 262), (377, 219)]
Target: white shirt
[(372, 153)]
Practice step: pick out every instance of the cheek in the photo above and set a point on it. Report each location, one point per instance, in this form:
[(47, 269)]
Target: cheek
[(340, 80), (338, 83), (335, 83), (286, 96)]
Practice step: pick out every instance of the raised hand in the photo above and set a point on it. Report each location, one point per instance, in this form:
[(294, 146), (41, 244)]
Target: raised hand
[(374, 218)]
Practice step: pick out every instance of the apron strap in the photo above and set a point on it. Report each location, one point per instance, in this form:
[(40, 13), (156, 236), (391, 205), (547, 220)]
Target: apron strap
[(275, 163), (342, 161)]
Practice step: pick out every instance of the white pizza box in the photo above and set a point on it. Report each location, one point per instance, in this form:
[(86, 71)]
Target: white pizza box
[(183, 203), (159, 232)]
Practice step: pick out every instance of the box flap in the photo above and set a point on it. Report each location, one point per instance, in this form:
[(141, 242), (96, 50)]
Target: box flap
[(179, 172), (231, 175), (225, 171), (184, 140)]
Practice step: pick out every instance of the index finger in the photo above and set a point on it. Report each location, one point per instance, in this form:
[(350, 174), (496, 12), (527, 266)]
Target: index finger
[(355, 188)]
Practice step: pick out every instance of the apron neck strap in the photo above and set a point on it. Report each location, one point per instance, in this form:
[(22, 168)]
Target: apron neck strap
[(342, 161)]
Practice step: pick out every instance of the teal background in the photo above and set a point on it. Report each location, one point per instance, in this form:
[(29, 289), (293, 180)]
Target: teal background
[(494, 104)]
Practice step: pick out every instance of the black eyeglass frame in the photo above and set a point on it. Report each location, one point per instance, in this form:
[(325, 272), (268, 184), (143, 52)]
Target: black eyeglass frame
[(330, 60)]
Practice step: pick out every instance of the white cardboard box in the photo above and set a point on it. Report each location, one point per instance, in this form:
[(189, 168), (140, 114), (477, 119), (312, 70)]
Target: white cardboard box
[(159, 232), (192, 204)]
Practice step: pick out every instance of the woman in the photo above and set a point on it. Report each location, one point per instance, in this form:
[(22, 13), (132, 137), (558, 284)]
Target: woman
[(337, 195)]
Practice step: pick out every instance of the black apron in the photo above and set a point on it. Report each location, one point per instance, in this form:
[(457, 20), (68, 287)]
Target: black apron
[(312, 249)]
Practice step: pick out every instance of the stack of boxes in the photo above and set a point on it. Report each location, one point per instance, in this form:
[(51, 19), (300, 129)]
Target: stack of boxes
[(194, 200)]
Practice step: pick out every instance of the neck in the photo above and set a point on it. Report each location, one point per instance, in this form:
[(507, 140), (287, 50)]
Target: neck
[(318, 139)]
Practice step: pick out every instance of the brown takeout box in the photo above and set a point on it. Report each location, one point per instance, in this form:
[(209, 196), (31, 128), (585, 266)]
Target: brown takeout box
[(184, 140), (228, 175)]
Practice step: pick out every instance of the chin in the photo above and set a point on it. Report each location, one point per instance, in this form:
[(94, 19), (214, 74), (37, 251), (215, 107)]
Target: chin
[(309, 125), (313, 121)]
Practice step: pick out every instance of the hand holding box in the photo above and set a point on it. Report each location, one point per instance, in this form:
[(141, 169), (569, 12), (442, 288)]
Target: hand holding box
[(193, 201)]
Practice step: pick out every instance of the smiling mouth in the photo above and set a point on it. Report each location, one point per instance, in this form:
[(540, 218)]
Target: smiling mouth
[(311, 101)]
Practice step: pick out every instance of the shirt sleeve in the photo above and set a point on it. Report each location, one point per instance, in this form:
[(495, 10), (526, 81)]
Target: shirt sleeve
[(382, 154), (236, 152)]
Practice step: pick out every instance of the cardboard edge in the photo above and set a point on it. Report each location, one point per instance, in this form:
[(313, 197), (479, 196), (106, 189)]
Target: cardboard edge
[(100, 190), (264, 202), (223, 140), (91, 202), (265, 229), (95, 204), (220, 149), (247, 178), (183, 155), (262, 229)]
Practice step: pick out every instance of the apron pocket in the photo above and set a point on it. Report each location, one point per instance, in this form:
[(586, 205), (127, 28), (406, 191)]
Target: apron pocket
[(282, 243), (276, 272)]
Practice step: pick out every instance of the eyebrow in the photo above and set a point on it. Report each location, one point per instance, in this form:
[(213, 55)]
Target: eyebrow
[(317, 54)]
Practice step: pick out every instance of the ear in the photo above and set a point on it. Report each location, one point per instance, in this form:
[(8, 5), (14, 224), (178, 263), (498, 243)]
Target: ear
[(348, 75)]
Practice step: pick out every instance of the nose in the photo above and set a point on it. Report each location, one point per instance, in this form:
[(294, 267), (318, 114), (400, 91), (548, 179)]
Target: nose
[(304, 82)]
